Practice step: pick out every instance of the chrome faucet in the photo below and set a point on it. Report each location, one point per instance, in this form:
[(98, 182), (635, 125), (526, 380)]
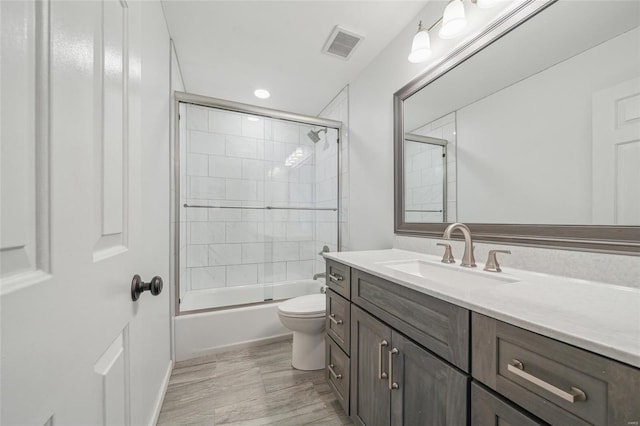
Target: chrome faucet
[(319, 275), (467, 259)]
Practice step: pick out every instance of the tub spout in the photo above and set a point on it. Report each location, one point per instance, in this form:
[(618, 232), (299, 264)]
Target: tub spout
[(320, 275)]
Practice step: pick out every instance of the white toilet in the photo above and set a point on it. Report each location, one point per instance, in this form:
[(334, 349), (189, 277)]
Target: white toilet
[(305, 316)]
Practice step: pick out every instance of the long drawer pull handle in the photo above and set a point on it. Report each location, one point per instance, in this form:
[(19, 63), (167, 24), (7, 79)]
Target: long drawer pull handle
[(392, 385), (335, 278), (333, 373), (333, 319), (381, 374), (575, 394)]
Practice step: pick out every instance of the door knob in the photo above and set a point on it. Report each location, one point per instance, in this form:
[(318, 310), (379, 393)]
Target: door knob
[(138, 287)]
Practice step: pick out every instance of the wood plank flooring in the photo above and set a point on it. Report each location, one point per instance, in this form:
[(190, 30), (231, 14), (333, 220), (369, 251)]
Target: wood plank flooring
[(251, 386)]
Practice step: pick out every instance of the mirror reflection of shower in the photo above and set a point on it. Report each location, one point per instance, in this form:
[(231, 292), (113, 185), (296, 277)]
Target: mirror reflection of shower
[(315, 137)]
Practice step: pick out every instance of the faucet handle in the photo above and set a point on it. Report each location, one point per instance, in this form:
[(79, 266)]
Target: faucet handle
[(447, 257), (492, 264)]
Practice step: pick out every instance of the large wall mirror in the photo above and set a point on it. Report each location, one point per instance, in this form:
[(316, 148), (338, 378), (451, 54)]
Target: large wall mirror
[(534, 128)]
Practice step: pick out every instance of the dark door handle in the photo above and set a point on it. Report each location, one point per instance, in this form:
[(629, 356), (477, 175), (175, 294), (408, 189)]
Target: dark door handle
[(138, 287)]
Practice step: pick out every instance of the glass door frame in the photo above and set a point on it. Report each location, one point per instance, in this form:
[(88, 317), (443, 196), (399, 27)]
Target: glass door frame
[(205, 101)]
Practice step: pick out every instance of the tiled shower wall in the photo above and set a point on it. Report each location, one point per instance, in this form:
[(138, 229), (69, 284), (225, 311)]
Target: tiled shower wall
[(233, 159)]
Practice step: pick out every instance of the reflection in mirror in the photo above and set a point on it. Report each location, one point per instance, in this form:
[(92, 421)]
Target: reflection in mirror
[(426, 172), (544, 124)]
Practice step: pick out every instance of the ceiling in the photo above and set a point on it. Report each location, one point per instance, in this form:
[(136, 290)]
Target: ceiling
[(227, 49)]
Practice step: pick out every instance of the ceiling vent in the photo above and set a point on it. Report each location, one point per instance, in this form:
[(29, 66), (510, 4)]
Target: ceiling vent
[(341, 43)]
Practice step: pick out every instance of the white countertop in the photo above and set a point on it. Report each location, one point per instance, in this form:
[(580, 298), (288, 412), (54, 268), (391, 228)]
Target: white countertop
[(599, 317)]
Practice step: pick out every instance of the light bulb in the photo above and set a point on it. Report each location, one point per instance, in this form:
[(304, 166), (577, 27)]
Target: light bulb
[(421, 46), (262, 93), (453, 20)]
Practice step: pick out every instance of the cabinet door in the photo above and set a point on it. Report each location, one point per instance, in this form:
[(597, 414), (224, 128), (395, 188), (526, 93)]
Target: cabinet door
[(429, 391), (488, 409), (370, 395)]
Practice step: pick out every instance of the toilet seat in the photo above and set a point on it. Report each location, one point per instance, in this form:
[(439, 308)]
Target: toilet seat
[(310, 306)]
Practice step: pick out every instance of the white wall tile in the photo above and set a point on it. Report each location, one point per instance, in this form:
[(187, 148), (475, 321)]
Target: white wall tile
[(300, 270), (254, 128), (237, 146), (238, 275), (197, 255), (197, 118), (197, 165), (253, 169), (276, 192), (207, 232), (206, 187), (300, 231), (284, 131), (225, 167), (226, 123), (209, 277), (309, 250), (241, 189), (285, 250), (244, 232), (272, 272), (301, 192), (254, 253), (275, 231), (225, 254), (206, 143)]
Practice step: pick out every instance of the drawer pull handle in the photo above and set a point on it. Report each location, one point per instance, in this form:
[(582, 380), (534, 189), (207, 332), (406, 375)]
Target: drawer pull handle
[(575, 394), (333, 319), (335, 278), (381, 374), (392, 385), (333, 373)]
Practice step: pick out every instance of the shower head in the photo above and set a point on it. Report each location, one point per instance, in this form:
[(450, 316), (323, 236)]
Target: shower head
[(315, 136)]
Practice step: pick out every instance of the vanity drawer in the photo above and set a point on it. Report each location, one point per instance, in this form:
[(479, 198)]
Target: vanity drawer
[(338, 319), (439, 326), (337, 373), (339, 278), (543, 375)]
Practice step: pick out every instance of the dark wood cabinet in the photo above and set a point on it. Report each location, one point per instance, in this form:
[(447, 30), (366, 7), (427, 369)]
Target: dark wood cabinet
[(396, 382), (489, 409), (370, 343), (430, 391)]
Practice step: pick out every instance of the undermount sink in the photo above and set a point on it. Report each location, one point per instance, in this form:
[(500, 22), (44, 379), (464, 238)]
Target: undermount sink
[(447, 274)]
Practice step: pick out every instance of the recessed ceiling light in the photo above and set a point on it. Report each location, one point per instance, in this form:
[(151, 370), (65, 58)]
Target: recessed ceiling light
[(262, 93)]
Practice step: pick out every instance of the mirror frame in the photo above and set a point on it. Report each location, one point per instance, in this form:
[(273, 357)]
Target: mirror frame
[(596, 238)]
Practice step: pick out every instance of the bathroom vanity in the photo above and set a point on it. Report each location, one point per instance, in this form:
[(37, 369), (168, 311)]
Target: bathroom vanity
[(413, 341)]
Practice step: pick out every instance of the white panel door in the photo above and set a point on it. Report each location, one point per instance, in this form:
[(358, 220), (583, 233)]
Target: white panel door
[(616, 155), (85, 206)]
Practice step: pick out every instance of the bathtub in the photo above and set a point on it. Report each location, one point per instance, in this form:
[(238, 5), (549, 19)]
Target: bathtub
[(204, 333)]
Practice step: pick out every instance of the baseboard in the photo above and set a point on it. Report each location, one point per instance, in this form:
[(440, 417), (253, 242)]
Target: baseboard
[(241, 345), (161, 395)]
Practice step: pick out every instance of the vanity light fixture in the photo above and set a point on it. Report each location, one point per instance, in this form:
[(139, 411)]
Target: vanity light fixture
[(262, 93), (453, 22), (421, 46)]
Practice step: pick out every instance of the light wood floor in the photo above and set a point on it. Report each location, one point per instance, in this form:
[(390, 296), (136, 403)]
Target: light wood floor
[(251, 386)]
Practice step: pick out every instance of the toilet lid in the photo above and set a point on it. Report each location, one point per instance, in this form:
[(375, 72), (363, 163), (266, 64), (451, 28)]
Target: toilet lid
[(304, 305)]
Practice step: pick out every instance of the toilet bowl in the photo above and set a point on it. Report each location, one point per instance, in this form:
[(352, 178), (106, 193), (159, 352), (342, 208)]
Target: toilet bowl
[(305, 316)]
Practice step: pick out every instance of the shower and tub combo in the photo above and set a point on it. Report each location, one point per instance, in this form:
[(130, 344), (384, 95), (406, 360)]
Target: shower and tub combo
[(256, 197)]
